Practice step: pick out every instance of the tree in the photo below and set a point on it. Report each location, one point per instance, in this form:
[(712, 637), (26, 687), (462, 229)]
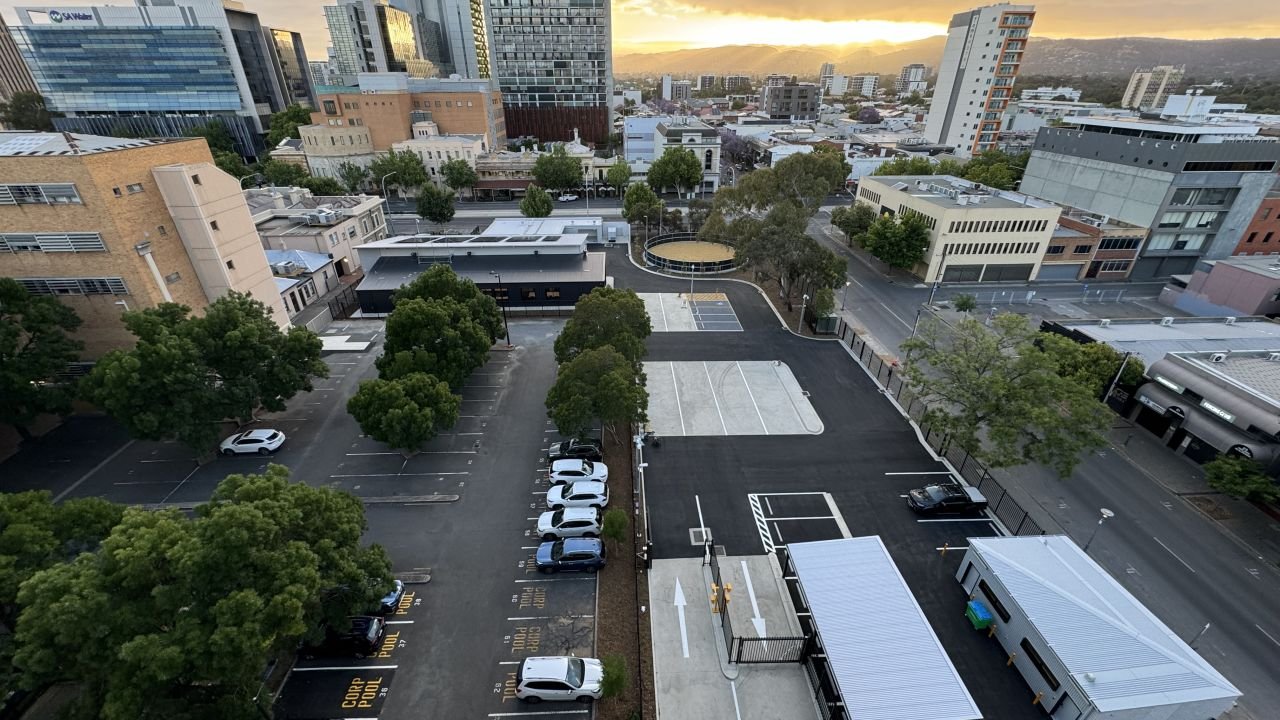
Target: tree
[(400, 169), (597, 384), (605, 316), (996, 394), (853, 221), (698, 212), (282, 174), (868, 116), (824, 302), (459, 174), (35, 345), (907, 166), (678, 168), (26, 111), (964, 302), (614, 680), (996, 168), (641, 204), (158, 624), (438, 337), (1091, 365), (230, 163), (435, 204), (321, 186), (558, 170), (734, 147), (441, 282), (614, 526), (618, 176), (405, 412), (1240, 477), (353, 176), (536, 203), (285, 124), (216, 134), (185, 374), (900, 242)]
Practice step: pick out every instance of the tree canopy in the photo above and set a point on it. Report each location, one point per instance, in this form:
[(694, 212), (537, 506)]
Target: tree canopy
[(641, 204), (26, 110), (231, 163), (1240, 477), (282, 174), (35, 345), (401, 169), (605, 316), (900, 242), (187, 373), (1091, 365), (438, 337), (994, 168), (441, 282), (557, 170), (405, 412), (352, 176), (435, 204), (321, 186), (459, 174), (536, 203), (285, 124), (618, 176), (597, 384), (216, 134), (854, 222), (157, 623), (677, 168), (996, 394)]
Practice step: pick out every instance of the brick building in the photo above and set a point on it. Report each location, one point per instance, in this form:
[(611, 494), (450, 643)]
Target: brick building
[(1262, 237)]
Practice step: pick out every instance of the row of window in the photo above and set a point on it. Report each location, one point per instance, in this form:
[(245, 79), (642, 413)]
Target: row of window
[(52, 242), (527, 294), (866, 194), (989, 596), (1119, 243), (1197, 220), (74, 286), (1254, 235), (1114, 265), (997, 226), (1170, 241), (1060, 249), (1230, 166), (39, 194), (992, 248), (930, 221)]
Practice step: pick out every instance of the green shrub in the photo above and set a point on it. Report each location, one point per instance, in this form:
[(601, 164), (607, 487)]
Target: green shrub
[(615, 676), (615, 525)]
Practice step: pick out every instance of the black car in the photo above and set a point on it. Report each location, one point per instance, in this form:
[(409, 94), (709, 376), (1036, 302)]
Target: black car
[(362, 637), (391, 601), (576, 449), (946, 499)]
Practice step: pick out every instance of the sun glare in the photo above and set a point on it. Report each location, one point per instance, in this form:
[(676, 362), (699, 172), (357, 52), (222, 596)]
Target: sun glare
[(693, 32)]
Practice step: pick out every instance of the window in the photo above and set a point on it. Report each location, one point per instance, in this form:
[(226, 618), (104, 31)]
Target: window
[(43, 194), (1036, 660), (160, 230), (993, 601), (172, 278), (1230, 166), (213, 224), (1081, 249), (1114, 266), (1267, 238), (52, 242), (1120, 243), (1172, 220), (195, 179), (134, 188), (116, 191), (74, 286), (551, 293), (231, 264), (1200, 196), (528, 294)]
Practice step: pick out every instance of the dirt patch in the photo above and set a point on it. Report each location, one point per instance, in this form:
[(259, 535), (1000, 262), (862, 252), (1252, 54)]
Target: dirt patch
[(624, 587), (1208, 505)]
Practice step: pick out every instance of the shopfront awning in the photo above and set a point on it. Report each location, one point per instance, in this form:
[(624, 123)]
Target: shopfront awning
[(1217, 433)]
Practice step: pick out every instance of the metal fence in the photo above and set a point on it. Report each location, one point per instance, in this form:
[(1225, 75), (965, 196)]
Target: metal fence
[(344, 304), (889, 376), (757, 650), (696, 267), (726, 624)]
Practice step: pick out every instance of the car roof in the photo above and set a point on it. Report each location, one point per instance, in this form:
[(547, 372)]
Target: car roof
[(579, 513), (545, 668), (567, 464), (262, 433), (587, 486), (575, 544)]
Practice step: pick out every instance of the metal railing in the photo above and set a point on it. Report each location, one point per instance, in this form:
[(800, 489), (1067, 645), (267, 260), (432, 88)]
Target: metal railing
[(709, 267), (726, 624), (759, 650), (889, 376)]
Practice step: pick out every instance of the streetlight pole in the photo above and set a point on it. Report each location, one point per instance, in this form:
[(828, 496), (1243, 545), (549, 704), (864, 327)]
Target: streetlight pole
[(1116, 379), (247, 177), (845, 294), (800, 323), (383, 183), (505, 327), (1105, 514)]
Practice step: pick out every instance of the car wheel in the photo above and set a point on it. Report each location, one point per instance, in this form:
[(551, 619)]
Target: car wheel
[(228, 452), (597, 506), (553, 508), (263, 451), (584, 698), (548, 537), (532, 699)]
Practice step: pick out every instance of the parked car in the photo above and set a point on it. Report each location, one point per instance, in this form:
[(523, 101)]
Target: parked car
[(559, 678), (946, 499), (263, 442), (563, 471), (586, 494), (570, 555), (569, 522), (567, 197), (580, 448), (391, 601), (361, 638)]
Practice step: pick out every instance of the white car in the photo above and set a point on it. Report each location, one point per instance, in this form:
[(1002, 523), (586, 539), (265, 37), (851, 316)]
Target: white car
[(567, 197), (569, 522), (564, 471), (587, 494), (559, 677), (262, 442)]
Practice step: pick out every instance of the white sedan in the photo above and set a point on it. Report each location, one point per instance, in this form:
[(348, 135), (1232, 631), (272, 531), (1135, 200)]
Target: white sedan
[(578, 495), (564, 471), (262, 442), (567, 197), (570, 522)]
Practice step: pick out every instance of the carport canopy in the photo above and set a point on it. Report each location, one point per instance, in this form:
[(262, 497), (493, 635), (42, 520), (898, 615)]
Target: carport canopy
[(886, 659)]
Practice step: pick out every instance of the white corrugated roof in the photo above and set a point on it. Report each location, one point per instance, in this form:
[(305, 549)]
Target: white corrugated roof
[(884, 654), (1117, 652)]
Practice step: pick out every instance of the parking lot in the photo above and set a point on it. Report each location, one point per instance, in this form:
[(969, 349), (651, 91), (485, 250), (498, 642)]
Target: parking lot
[(685, 312), (727, 398)]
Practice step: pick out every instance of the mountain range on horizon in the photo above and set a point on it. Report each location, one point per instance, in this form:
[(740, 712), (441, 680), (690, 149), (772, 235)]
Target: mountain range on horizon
[(1225, 57)]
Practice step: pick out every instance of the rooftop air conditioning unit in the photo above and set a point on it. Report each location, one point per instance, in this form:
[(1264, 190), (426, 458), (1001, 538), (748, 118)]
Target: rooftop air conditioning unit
[(1217, 357), (1105, 322), (1166, 321)]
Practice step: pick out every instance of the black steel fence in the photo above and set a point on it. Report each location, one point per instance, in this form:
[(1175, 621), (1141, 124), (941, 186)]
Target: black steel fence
[(696, 267), (748, 650), (344, 304), (889, 376), (726, 624)]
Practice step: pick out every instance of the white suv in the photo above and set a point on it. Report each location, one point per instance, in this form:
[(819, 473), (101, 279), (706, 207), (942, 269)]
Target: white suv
[(570, 522), (578, 495), (563, 471), (559, 678)]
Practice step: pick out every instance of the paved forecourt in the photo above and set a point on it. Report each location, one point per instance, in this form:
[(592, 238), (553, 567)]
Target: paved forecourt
[(727, 397), (685, 312)]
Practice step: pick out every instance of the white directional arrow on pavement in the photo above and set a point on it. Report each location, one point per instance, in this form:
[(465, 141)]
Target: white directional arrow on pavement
[(755, 608), (684, 634)]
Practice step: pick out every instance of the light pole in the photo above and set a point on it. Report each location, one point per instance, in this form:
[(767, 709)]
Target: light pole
[(383, 183), (1116, 379), (844, 294), (247, 177), (800, 323), (1105, 514), (505, 327)]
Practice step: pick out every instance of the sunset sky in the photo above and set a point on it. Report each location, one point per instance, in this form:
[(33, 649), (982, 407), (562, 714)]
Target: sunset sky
[(654, 25)]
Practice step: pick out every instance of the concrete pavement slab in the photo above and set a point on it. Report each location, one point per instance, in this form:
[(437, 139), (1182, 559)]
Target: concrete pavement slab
[(726, 397)]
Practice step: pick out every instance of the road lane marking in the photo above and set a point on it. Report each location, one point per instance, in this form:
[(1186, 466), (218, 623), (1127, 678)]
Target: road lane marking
[(712, 387), (905, 324), (925, 472), (839, 518), (96, 468), (179, 485), (981, 519), (1174, 554), (805, 517), (1264, 632), (400, 474), (539, 712), (733, 685), (553, 579), (751, 395), (675, 388), (347, 667)]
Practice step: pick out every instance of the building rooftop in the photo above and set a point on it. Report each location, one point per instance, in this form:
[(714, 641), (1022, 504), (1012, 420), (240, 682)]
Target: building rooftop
[(391, 273), (301, 199), (541, 226), (949, 192), (461, 242), (50, 144), (1265, 265), (301, 259), (1117, 652), (1179, 127), (1151, 339), (1257, 371)]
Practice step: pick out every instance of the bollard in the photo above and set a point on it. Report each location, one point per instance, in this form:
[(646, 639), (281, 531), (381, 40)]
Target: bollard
[(715, 598), (992, 632), (947, 546), (1038, 696), (1011, 657)]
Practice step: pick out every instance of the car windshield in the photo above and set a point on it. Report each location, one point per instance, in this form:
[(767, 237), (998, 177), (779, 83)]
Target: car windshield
[(936, 493), (586, 466), (557, 518), (577, 671), (557, 550)]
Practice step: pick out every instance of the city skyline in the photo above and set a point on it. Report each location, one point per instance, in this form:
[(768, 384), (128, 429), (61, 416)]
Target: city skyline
[(649, 25)]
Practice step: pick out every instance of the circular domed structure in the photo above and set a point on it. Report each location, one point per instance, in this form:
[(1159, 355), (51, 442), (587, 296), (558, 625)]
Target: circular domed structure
[(684, 253)]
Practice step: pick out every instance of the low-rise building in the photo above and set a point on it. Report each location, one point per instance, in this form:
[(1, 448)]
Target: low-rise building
[(435, 149), (1262, 236), (1231, 286), (976, 233), (864, 84), (113, 224), (1089, 246), (294, 219), (1044, 92), (290, 151), (791, 101), (301, 277), (1086, 646), (697, 137)]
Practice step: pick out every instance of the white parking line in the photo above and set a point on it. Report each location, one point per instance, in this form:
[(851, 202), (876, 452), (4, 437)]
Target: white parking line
[(399, 622), (982, 519), (556, 579), (835, 512), (400, 474), (553, 617), (676, 390), (926, 472), (346, 667), (751, 395), (806, 517), (540, 712), (712, 387)]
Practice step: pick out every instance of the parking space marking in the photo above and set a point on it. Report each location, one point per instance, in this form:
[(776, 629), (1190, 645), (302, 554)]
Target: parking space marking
[(724, 428), (809, 517), (399, 622), (839, 517), (751, 395), (933, 520), (552, 579), (401, 474), (675, 387), (539, 712), (926, 472), (346, 667)]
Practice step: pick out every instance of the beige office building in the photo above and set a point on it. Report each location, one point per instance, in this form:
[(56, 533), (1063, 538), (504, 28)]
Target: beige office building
[(976, 234), (1148, 87), (112, 224)]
